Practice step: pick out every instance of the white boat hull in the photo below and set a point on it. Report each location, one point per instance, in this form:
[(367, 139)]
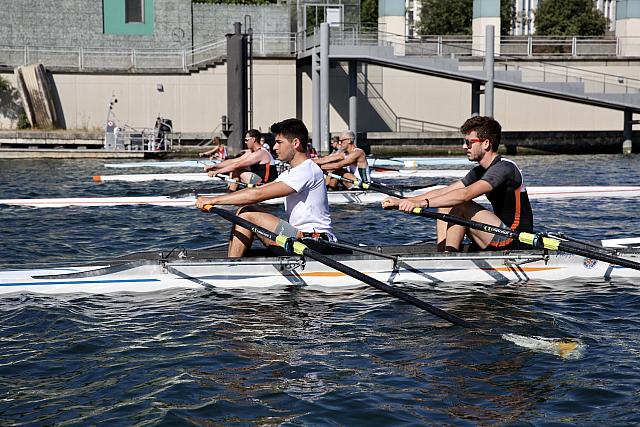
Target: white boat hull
[(203, 177), (408, 162), (335, 197), (195, 273)]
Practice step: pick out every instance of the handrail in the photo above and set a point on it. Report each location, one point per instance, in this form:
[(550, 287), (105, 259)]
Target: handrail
[(126, 59), (422, 125), (461, 46), (129, 59)]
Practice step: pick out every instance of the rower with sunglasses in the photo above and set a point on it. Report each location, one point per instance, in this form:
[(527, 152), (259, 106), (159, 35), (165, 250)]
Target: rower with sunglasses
[(500, 180), (349, 162), (255, 166)]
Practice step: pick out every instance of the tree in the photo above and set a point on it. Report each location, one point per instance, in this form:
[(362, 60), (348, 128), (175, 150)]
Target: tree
[(454, 17), (4, 84), (369, 13), (253, 2), (569, 18), (446, 17)]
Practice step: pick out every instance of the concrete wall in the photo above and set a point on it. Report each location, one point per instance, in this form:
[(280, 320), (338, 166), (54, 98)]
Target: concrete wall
[(212, 22), (75, 23), (448, 103), (196, 102)]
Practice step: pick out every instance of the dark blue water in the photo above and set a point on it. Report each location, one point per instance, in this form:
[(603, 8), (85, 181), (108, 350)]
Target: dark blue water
[(291, 356)]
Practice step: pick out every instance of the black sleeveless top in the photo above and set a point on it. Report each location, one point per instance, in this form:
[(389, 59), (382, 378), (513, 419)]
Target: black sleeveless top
[(265, 171), (509, 198)]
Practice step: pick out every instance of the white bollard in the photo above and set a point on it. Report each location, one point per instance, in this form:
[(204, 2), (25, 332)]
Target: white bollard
[(626, 147)]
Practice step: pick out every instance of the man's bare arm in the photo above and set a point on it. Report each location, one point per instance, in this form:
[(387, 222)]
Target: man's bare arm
[(248, 196)]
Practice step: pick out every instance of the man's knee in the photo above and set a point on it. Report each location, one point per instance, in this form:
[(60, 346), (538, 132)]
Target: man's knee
[(248, 212), (444, 210), (466, 210)]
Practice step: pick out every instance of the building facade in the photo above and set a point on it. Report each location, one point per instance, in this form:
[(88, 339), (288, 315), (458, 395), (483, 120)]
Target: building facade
[(524, 24)]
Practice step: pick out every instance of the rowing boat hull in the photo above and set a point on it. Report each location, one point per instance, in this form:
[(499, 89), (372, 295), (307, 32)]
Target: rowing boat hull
[(335, 197), (408, 162), (203, 177), (149, 275)]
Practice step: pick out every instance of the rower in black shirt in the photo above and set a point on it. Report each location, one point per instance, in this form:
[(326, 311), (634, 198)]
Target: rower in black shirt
[(500, 180)]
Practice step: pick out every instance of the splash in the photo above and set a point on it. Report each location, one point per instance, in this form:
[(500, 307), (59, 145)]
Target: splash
[(566, 348)]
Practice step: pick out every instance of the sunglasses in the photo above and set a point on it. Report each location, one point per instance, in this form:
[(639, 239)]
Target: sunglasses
[(469, 142)]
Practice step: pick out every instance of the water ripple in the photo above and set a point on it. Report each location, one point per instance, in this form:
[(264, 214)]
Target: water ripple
[(292, 356)]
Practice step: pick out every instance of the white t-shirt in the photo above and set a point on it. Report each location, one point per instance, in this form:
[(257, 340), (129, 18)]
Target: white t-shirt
[(307, 208)]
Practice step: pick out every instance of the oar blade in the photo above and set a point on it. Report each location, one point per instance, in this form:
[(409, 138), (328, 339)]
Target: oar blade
[(566, 348)]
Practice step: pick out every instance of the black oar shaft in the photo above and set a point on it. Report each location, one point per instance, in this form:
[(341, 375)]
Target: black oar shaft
[(368, 186), (600, 256), (534, 240), (356, 249), (301, 249)]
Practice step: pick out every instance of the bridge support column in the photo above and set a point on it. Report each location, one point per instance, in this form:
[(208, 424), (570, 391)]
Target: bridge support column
[(476, 91), (628, 27), (485, 13), (489, 70), (315, 99), (237, 88), (392, 23), (627, 133), (353, 97), (324, 87)]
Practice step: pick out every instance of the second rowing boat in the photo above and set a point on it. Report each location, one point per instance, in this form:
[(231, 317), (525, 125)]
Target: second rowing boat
[(357, 197)]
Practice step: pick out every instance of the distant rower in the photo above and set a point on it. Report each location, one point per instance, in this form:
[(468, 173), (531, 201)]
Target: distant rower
[(255, 166), (349, 162)]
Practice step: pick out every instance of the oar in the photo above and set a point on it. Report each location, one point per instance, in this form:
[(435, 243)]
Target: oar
[(205, 191), (367, 185), (293, 246), (536, 240), (354, 248), (228, 179)]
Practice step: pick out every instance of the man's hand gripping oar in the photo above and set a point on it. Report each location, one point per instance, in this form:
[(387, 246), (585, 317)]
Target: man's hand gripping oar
[(293, 246)]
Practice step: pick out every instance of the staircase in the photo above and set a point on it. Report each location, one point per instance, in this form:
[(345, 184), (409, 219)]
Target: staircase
[(513, 74)]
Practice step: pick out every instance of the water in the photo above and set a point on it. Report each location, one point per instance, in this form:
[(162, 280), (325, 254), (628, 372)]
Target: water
[(291, 356)]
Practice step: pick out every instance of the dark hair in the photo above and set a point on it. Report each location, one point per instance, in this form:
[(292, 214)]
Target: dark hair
[(254, 133), (291, 129), (485, 127)]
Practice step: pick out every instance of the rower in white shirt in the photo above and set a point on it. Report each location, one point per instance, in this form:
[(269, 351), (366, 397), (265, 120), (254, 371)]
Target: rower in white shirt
[(302, 186)]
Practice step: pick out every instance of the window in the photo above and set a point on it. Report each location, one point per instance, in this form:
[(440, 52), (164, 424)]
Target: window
[(134, 11)]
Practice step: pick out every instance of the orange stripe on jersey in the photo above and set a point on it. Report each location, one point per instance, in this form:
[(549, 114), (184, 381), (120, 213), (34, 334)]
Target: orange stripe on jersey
[(500, 243), (516, 222), (516, 215), (266, 173)]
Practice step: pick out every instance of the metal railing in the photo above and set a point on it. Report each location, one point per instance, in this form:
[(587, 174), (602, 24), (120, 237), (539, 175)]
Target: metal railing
[(147, 139), (347, 34), (406, 124), (592, 81), (537, 46), (143, 60)]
